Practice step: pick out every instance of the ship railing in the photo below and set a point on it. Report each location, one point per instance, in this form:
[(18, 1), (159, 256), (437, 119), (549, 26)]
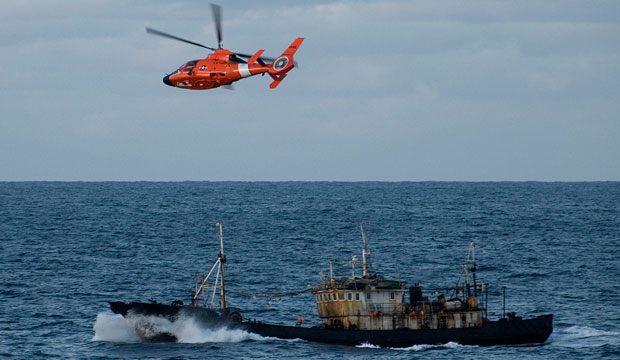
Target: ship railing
[(329, 283)]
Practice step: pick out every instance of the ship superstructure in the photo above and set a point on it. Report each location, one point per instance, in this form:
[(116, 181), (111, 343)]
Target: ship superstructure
[(372, 302)]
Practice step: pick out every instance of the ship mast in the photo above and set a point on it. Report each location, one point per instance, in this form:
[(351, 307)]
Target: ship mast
[(473, 266), (364, 253), (470, 266), (222, 260)]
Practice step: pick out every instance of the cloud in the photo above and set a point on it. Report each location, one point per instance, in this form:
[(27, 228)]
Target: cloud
[(450, 90)]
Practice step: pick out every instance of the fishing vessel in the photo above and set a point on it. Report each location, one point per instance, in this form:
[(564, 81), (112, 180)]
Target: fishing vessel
[(361, 309)]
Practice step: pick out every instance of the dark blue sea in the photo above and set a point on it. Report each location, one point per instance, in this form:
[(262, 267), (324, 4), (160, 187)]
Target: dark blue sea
[(70, 247)]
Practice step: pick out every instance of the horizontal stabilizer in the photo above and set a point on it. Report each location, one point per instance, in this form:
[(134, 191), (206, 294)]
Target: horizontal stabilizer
[(255, 57)]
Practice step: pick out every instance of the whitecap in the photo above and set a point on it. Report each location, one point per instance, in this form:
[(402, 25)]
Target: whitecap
[(422, 347), (187, 330), (368, 346), (114, 328)]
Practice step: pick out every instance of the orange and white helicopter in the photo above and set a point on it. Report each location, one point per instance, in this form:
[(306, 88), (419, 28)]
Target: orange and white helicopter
[(223, 67)]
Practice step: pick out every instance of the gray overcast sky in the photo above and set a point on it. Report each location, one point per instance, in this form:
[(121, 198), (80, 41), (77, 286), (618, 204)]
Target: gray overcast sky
[(386, 90)]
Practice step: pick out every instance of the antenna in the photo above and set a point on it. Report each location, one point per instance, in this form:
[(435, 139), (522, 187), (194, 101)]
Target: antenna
[(330, 260), (471, 253), (365, 253), (219, 225)]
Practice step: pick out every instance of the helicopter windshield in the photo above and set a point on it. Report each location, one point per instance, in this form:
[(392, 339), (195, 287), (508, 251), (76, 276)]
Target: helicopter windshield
[(188, 66)]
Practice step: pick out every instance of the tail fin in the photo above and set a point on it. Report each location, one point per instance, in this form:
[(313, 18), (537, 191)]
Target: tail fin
[(293, 48), (284, 63)]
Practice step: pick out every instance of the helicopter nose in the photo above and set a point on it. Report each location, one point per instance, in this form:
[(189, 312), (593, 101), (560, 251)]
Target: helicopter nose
[(167, 80)]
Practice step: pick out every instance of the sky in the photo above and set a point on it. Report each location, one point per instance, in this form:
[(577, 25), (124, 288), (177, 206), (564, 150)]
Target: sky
[(386, 90)]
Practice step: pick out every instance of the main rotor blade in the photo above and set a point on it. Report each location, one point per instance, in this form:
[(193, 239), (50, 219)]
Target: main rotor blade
[(264, 58), (161, 33), (217, 17)]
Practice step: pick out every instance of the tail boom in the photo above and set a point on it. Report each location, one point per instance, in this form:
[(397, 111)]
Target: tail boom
[(277, 69)]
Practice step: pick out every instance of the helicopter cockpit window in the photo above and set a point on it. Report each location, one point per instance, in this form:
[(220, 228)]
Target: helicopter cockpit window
[(188, 64), (188, 67), (179, 69)]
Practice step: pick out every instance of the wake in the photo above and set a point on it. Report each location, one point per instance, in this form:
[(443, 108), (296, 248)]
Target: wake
[(421, 347), (424, 347), (584, 336), (115, 328)]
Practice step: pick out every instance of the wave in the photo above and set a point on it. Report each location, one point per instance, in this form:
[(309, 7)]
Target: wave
[(422, 347), (584, 336), (115, 328)]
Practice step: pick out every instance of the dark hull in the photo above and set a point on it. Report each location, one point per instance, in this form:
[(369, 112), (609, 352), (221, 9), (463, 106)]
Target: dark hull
[(148, 332), (505, 331), (514, 331)]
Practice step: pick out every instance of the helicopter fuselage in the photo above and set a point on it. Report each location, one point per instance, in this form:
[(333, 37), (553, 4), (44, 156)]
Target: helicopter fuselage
[(222, 67), (219, 68)]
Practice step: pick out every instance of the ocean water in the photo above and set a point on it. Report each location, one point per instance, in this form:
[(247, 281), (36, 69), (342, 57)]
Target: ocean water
[(69, 248)]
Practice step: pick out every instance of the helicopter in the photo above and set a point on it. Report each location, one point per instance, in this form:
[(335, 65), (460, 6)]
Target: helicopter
[(223, 67)]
